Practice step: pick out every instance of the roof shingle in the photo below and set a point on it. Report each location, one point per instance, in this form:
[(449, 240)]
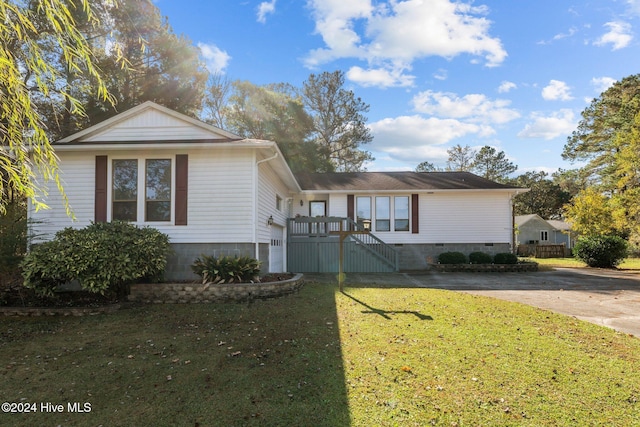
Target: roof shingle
[(395, 181)]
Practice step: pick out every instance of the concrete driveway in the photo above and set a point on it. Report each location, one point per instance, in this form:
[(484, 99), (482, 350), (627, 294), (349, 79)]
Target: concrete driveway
[(605, 297)]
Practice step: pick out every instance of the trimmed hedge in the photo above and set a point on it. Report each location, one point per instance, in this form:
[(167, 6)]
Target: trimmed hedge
[(480, 258), (102, 257), (505, 258), (452, 258)]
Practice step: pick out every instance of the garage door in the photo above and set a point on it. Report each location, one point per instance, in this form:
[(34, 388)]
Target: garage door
[(276, 250)]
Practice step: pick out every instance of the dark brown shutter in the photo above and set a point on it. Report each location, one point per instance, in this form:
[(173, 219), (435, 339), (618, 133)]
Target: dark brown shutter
[(351, 207), (100, 206), (415, 221), (182, 187)]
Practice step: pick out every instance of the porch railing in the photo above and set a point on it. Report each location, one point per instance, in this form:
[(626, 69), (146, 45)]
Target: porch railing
[(306, 227)]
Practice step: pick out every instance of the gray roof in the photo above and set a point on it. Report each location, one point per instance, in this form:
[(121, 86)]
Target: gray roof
[(559, 225), (396, 181), (554, 223)]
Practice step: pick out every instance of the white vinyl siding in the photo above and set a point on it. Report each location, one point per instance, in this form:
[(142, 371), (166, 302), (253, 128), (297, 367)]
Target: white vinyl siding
[(465, 217), (270, 187), (221, 198), (219, 208), (75, 172), (151, 125), (481, 216)]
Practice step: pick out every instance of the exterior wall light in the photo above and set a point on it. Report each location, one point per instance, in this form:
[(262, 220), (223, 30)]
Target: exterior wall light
[(366, 224), (270, 220)]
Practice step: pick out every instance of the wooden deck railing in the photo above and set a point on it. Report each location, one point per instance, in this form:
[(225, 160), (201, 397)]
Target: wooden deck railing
[(313, 227)]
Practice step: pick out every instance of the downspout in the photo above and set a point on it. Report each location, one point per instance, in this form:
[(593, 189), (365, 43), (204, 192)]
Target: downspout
[(255, 202)]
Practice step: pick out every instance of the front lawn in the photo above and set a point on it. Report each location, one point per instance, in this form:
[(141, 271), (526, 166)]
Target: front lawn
[(549, 263), (370, 356)]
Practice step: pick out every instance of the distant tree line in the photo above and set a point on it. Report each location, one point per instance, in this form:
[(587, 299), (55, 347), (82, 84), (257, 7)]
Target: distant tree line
[(68, 65)]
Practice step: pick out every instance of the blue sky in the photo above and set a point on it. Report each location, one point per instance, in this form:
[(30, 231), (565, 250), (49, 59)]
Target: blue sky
[(514, 75)]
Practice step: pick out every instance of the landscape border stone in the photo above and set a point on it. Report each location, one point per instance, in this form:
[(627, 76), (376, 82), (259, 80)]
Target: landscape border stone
[(486, 268), (167, 293)]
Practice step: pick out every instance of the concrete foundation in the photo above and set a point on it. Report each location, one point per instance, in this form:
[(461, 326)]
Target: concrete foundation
[(184, 254), (418, 257)]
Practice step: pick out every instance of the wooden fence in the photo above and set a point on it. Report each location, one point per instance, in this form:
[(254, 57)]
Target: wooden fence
[(544, 251)]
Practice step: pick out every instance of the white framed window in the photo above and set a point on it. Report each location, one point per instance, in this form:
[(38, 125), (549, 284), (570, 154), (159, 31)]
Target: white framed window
[(383, 213), (124, 194), (544, 236), (157, 190), (317, 208), (155, 203), (401, 213), (363, 210)]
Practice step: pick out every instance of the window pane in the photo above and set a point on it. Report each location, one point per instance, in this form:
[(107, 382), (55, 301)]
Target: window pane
[(125, 190), (401, 225), (383, 214), (158, 190), (317, 208), (363, 209), (401, 213), (158, 211), (125, 211), (158, 180)]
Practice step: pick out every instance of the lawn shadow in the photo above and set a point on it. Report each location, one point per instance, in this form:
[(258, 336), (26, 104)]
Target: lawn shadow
[(268, 362), (386, 313)]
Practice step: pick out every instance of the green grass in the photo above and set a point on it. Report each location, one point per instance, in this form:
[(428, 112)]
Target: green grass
[(549, 263), (370, 356)]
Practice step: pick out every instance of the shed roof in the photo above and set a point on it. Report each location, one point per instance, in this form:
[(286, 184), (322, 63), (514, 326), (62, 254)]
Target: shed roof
[(396, 181)]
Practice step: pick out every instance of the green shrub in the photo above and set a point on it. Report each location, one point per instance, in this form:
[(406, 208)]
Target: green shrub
[(601, 251), (480, 258), (102, 257), (452, 258), (505, 258), (226, 269)]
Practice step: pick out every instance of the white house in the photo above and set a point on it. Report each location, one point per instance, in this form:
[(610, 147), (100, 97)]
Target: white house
[(215, 193)]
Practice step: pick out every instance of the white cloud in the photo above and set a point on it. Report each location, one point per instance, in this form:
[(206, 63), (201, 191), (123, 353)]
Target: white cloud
[(560, 123), (216, 60), (634, 6), (266, 8), (379, 77), (602, 83), (570, 33), (619, 35), (506, 86), (399, 32), (547, 169), (335, 20), (556, 90), (475, 108), (409, 138), (441, 74)]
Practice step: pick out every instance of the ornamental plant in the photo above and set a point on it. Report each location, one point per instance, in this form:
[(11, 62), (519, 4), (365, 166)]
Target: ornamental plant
[(226, 269), (452, 258), (601, 251), (480, 258), (102, 257), (505, 258)]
